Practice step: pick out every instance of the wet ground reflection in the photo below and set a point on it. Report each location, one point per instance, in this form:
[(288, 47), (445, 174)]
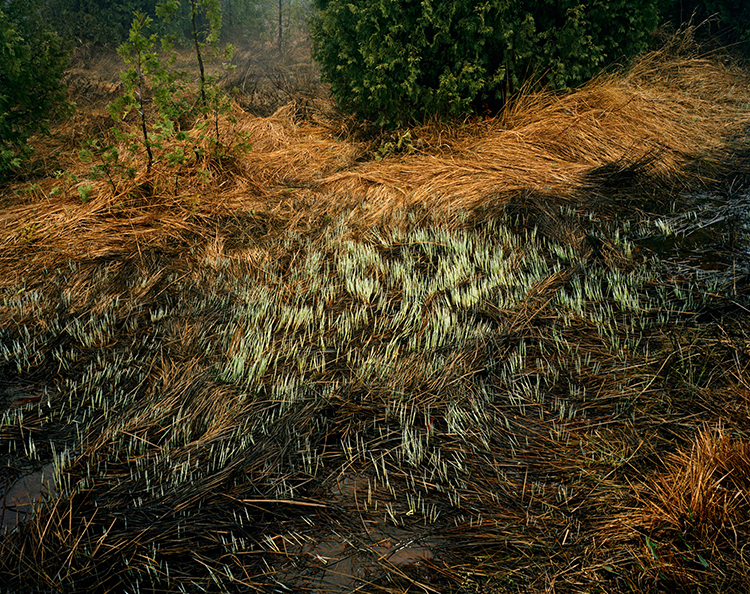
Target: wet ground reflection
[(336, 563), (20, 496), (707, 235)]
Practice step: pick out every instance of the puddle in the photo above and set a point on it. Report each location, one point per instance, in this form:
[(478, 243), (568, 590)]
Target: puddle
[(710, 236), (345, 560), (344, 567), (14, 396), (336, 564), (19, 499)]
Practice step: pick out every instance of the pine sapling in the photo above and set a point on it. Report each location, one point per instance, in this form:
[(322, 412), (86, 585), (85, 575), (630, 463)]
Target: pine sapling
[(149, 79)]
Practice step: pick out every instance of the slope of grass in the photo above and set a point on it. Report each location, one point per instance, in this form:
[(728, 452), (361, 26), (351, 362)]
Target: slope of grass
[(513, 357)]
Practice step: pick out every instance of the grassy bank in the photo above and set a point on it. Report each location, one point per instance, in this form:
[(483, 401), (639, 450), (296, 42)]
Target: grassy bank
[(508, 355)]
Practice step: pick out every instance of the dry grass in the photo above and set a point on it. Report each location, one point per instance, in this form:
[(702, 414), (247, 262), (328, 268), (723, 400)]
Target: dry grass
[(668, 123), (693, 515), (485, 363)]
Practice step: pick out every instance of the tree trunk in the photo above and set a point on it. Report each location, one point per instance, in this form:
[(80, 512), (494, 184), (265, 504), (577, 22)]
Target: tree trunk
[(200, 57), (142, 113), (280, 25)]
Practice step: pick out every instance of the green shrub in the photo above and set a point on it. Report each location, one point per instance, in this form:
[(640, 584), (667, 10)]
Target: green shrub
[(394, 62), (735, 14), (152, 88), (32, 61)]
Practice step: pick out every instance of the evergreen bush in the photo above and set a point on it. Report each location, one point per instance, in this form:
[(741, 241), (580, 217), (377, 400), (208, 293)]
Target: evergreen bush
[(395, 62), (32, 62)]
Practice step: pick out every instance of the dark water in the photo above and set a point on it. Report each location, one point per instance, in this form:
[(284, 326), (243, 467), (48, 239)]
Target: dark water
[(19, 499), (354, 560), (341, 566), (704, 235)]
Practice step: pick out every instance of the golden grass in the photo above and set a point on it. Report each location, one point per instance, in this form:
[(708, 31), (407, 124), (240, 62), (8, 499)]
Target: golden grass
[(668, 111), (692, 516), (703, 490)]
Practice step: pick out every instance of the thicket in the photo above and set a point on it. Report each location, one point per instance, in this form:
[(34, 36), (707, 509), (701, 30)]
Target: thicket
[(97, 22), (732, 15), (32, 61), (104, 23), (395, 62)]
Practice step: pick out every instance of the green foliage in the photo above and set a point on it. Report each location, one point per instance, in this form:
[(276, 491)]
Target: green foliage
[(106, 23), (232, 20), (398, 144), (32, 61), (243, 20), (95, 22), (105, 163), (395, 62), (735, 14), (288, 20), (159, 95), (67, 181), (149, 78), (206, 42)]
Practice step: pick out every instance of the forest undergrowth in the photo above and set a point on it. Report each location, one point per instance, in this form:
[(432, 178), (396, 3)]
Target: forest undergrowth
[(509, 354)]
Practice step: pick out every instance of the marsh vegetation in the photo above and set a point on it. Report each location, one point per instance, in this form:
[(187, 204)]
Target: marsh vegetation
[(509, 354)]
